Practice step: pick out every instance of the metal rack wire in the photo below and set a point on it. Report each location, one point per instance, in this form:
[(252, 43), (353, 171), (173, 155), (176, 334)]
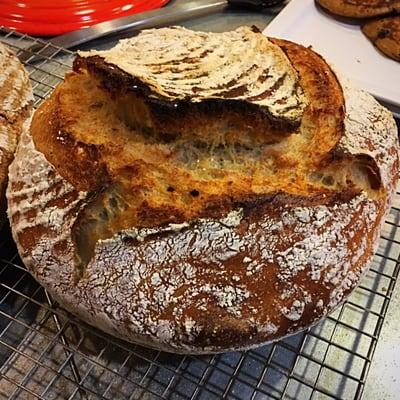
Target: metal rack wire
[(45, 353)]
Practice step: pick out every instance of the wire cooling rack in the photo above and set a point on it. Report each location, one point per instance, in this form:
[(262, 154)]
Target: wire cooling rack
[(45, 353)]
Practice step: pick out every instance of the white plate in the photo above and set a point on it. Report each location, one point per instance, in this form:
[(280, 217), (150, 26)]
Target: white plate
[(343, 45)]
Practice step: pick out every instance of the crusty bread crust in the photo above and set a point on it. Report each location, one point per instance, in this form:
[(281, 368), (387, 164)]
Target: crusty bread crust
[(241, 66), (384, 33), (251, 269), (360, 8), (149, 175), (15, 106)]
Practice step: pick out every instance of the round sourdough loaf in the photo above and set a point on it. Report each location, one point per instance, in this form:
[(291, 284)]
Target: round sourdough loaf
[(15, 105), (199, 209)]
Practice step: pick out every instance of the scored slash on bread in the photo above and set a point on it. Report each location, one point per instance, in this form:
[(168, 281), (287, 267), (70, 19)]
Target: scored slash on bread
[(203, 234), (15, 107), (199, 159), (360, 8), (385, 35)]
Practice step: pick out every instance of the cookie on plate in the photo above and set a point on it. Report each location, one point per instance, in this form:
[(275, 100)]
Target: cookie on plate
[(360, 8), (384, 33)]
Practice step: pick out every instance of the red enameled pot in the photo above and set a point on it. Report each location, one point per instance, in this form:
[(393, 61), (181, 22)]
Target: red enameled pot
[(54, 17)]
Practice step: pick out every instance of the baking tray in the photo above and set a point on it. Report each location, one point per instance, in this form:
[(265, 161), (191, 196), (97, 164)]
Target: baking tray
[(45, 353)]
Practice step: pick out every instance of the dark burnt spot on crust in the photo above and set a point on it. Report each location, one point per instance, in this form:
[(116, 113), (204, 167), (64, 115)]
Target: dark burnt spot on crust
[(383, 33)]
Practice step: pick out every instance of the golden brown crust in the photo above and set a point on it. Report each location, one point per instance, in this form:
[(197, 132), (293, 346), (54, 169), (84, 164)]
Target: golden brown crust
[(78, 162), (360, 8), (385, 35), (61, 140), (138, 242), (139, 178)]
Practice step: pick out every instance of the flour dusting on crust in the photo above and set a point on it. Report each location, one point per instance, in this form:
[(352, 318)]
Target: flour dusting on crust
[(15, 100), (180, 64), (15, 90), (364, 117), (147, 290), (207, 285), (15, 94)]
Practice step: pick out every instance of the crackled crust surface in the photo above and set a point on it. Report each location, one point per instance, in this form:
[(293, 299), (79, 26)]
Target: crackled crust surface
[(15, 99), (360, 8), (258, 269)]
